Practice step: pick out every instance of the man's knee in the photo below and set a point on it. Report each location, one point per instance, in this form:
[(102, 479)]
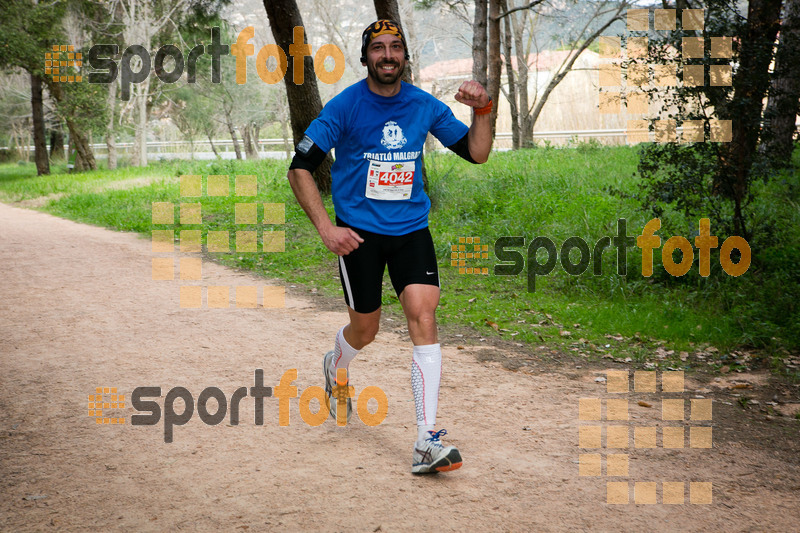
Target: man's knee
[(424, 318), (367, 334), (362, 333)]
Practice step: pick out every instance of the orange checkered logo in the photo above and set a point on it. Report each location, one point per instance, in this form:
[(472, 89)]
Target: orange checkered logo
[(106, 398), (62, 62), (472, 249)]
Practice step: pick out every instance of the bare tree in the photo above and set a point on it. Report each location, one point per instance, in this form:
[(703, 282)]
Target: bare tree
[(518, 22), (511, 92), (603, 15), (495, 62), (143, 20)]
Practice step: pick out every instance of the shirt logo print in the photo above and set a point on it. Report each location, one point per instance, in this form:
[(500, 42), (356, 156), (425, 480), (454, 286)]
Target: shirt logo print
[(393, 137)]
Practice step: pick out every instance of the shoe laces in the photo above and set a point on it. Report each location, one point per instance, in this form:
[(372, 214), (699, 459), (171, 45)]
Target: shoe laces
[(434, 438)]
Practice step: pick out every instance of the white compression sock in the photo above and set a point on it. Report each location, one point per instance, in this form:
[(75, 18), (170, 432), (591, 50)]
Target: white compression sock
[(426, 373), (343, 353)]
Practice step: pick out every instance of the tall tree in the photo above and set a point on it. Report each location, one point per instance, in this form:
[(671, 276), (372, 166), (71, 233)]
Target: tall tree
[(305, 103), (40, 145), (480, 61), (750, 83), (511, 92), (29, 29), (518, 23), (495, 62), (780, 118), (714, 178)]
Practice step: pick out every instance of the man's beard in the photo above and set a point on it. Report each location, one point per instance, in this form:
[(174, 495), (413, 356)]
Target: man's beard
[(385, 78)]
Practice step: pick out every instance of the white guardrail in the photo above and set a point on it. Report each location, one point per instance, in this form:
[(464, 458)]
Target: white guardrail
[(278, 147)]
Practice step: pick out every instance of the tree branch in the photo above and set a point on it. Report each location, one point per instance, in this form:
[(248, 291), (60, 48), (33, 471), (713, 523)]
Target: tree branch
[(520, 8)]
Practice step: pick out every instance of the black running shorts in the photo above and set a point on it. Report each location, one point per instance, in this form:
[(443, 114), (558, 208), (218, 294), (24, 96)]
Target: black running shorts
[(411, 259)]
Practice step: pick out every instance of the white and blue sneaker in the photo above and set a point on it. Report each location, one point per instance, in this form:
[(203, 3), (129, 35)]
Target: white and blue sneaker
[(334, 390), (430, 457)]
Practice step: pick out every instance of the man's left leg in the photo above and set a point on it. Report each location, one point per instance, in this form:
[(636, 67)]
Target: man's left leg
[(419, 303)]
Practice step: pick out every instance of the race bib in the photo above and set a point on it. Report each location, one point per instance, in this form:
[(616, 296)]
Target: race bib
[(390, 181)]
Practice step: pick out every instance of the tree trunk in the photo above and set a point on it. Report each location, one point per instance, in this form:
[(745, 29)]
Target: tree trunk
[(84, 159), (111, 141), (388, 9), (139, 24), (39, 141), (285, 134), (232, 131), (784, 96), (512, 89), (750, 84), (213, 148), (411, 37), (495, 62), (139, 158), (304, 100), (524, 121), (479, 58), (250, 147), (57, 142)]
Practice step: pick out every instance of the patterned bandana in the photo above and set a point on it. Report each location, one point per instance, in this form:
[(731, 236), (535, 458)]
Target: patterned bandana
[(381, 27)]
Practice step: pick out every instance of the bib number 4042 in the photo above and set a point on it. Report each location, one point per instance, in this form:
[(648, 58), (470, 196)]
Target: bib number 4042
[(396, 178)]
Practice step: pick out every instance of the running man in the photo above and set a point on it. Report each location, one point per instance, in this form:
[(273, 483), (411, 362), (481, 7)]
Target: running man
[(378, 127)]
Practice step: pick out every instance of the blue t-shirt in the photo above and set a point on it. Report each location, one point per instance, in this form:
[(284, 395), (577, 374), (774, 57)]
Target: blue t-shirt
[(378, 142)]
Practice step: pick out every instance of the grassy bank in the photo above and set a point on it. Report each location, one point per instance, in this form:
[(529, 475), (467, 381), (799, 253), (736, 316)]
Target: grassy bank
[(553, 193)]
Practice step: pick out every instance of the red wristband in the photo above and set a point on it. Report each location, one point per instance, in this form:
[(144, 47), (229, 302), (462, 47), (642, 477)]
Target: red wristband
[(485, 110)]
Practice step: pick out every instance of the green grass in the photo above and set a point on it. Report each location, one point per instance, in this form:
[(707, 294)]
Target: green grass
[(20, 182), (553, 193)]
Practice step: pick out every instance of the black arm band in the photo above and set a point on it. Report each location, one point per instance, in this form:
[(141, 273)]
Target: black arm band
[(461, 148), (307, 155)]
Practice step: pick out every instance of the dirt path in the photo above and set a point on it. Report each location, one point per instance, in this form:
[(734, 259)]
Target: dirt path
[(78, 310)]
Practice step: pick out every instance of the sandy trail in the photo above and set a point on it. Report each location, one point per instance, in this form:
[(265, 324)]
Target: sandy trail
[(78, 310)]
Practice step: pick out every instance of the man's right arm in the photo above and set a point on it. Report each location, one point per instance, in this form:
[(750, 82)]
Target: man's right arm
[(338, 240)]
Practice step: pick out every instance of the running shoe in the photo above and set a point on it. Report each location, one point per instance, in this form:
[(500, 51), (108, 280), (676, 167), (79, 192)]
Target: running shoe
[(430, 457), (332, 389)]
